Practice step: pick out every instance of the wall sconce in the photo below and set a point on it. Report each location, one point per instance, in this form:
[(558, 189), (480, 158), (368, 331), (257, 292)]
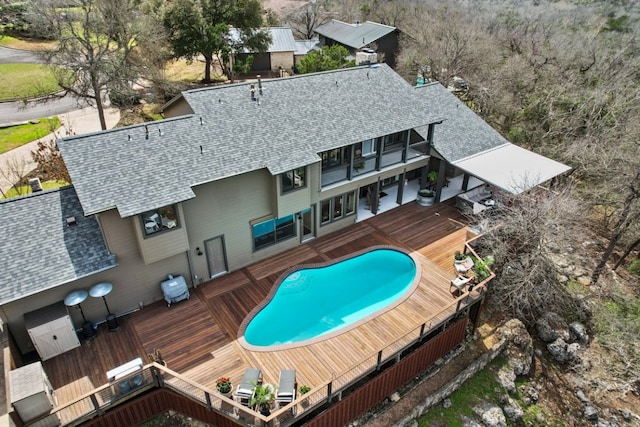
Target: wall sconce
[(198, 251)]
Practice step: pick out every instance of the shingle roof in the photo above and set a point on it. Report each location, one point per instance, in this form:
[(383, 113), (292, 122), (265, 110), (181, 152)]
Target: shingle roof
[(463, 133), (39, 251), (295, 119), (354, 35)]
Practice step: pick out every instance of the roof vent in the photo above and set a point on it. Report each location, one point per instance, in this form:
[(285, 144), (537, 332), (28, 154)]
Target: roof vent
[(71, 220), (35, 184)]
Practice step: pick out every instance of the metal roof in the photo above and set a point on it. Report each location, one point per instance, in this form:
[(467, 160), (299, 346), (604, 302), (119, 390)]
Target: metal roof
[(143, 167), (281, 39), (354, 35), (469, 143), (40, 251)]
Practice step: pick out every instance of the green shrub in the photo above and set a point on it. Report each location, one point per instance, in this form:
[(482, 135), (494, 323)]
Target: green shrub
[(634, 267)]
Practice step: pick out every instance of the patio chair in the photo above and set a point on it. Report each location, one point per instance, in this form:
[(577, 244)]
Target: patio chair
[(464, 266), (459, 283), (286, 387), (244, 390)]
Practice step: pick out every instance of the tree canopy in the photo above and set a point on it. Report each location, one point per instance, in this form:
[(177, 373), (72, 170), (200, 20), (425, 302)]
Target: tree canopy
[(203, 27), (327, 58)]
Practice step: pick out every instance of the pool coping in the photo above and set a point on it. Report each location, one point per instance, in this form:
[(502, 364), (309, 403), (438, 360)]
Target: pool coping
[(278, 282)]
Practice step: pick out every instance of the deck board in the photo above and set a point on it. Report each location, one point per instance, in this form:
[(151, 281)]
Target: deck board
[(198, 337)]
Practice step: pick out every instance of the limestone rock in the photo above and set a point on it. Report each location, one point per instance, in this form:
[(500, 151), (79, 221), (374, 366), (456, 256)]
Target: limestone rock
[(494, 417), (446, 403), (394, 397), (579, 332), (520, 350), (507, 379), (551, 326), (558, 350), (513, 411), (590, 413)]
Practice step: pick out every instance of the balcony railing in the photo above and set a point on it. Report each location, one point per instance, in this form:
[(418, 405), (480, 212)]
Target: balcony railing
[(153, 375)]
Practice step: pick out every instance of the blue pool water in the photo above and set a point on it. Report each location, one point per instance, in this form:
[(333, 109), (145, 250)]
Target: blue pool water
[(312, 302)]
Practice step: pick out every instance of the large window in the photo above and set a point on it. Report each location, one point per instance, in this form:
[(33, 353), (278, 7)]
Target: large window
[(293, 179), (394, 141), (158, 220), (337, 207), (272, 231)]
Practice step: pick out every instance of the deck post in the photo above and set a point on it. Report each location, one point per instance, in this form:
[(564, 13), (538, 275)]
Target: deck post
[(96, 405), (157, 376), (329, 390), (207, 397), (379, 362)]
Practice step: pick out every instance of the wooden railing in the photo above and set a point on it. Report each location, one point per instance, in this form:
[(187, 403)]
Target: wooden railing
[(153, 375)]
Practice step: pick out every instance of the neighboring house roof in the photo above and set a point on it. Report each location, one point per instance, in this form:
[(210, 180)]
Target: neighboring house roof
[(305, 46), (465, 140), (40, 251), (354, 35), (281, 39), (294, 119)]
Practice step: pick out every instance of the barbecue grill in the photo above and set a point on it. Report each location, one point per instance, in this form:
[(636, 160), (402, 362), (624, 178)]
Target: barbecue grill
[(174, 289)]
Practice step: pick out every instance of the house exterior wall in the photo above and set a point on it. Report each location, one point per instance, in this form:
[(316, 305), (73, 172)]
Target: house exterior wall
[(133, 282), (388, 45), (282, 59), (162, 245), (180, 107), (227, 208)]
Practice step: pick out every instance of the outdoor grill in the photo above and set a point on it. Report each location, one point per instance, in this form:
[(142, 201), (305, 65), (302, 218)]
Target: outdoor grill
[(174, 289)]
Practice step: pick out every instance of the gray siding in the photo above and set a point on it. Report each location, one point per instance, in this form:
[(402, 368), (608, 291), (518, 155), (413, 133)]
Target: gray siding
[(162, 245)]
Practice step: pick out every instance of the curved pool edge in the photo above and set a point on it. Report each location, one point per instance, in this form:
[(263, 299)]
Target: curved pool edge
[(276, 285)]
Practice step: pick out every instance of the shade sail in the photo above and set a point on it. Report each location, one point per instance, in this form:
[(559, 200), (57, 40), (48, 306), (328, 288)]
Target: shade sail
[(511, 168)]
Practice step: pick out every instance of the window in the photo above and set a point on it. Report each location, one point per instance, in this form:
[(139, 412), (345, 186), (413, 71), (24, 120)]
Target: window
[(272, 231), (394, 141), (158, 220), (337, 207), (293, 179), (368, 147)]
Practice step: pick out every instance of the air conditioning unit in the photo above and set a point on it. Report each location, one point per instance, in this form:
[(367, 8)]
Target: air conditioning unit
[(35, 184), (366, 56)]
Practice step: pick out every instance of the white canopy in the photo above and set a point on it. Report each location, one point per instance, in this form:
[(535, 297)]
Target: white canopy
[(511, 168)]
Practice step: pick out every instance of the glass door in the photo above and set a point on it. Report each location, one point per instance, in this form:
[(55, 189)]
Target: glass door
[(216, 256), (307, 229)]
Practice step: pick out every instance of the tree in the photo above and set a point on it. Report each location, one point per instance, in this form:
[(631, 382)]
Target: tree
[(306, 19), (97, 45), (202, 27), (50, 161), (529, 232), (327, 58)]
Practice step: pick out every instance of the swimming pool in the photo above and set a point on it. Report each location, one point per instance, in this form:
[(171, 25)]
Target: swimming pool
[(310, 303)]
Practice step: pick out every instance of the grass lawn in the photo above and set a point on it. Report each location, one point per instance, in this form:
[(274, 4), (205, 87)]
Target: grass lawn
[(15, 136), (23, 81), (26, 189), (34, 45)]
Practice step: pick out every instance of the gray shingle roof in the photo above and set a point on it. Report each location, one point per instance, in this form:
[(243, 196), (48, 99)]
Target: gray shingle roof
[(39, 251), (463, 133), (295, 119), (354, 35)]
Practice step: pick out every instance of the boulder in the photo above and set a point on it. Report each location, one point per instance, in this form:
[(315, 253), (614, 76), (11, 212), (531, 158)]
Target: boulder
[(590, 413), (558, 350), (494, 417), (507, 379), (529, 394), (579, 332), (519, 351), (551, 326), (513, 411)]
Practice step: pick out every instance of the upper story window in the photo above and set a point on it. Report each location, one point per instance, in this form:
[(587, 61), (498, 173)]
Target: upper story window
[(394, 140), (158, 220), (368, 147), (293, 179)]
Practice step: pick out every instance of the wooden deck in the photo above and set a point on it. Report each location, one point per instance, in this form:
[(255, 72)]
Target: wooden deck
[(197, 338)]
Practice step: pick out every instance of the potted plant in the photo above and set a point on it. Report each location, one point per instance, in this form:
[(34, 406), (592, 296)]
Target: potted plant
[(358, 165), (432, 178), (263, 397), (223, 384), (481, 268), (459, 257), (157, 358), (304, 389), (426, 197)]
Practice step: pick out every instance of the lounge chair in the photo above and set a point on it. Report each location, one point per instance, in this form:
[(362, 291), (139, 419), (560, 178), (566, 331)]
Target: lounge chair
[(286, 388), (244, 390), (464, 266), (459, 283)]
